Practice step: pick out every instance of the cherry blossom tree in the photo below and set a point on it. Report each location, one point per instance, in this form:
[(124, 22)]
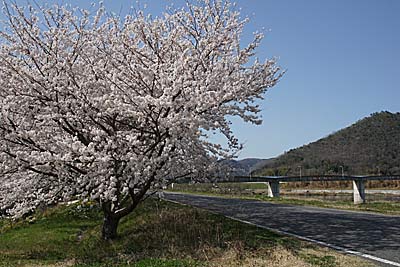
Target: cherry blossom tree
[(102, 108)]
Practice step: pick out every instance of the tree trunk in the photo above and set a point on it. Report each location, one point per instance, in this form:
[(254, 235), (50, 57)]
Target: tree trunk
[(110, 225)]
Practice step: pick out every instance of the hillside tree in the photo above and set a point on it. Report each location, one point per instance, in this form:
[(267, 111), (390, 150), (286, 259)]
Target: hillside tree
[(103, 108)]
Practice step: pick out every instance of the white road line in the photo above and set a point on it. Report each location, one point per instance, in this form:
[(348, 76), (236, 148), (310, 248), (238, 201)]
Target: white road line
[(345, 250)]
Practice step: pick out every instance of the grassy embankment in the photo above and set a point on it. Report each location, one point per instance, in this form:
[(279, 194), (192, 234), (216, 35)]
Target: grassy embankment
[(158, 234), (258, 191)]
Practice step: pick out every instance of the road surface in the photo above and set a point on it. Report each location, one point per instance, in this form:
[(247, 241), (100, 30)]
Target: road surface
[(370, 234)]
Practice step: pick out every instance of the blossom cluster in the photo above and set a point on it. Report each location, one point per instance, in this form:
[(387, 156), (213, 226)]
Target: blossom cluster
[(105, 108)]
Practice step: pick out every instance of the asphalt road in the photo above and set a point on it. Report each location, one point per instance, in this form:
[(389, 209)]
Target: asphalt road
[(371, 234)]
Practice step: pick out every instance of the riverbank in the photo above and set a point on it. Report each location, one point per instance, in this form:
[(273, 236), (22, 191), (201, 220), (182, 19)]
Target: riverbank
[(378, 201)]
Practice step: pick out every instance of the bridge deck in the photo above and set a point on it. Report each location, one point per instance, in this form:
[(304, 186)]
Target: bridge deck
[(313, 178)]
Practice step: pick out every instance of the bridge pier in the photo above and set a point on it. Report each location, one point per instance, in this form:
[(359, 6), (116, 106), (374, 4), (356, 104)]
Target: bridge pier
[(359, 191), (273, 189)]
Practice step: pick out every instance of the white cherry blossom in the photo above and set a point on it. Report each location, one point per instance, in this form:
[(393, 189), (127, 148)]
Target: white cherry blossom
[(103, 108)]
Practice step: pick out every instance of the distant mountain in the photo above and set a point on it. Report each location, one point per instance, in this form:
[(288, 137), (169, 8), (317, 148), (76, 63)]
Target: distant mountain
[(245, 166), (369, 146)]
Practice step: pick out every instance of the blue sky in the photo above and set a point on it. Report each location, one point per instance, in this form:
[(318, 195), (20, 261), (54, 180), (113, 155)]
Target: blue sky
[(342, 59)]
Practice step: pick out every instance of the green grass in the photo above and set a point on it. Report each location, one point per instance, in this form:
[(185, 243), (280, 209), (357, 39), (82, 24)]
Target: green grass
[(157, 234), (391, 208), (325, 261), (43, 235), (222, 188)]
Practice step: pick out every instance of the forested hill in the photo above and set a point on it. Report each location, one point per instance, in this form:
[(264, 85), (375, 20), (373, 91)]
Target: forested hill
[(370, 146)]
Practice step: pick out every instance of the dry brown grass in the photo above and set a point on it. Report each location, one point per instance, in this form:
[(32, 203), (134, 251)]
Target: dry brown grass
[(282, 257), (278, 257)]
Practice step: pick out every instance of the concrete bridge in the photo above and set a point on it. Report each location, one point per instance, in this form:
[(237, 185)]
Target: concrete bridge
[(274, 181)]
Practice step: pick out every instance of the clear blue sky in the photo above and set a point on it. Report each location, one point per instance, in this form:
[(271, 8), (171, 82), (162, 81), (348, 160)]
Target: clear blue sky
[(342, 59)]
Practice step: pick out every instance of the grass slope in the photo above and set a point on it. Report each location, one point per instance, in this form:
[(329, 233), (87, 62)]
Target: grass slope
[(158, 234)]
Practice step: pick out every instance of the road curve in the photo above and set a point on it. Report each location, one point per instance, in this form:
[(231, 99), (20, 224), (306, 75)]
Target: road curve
[(371, 234)]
